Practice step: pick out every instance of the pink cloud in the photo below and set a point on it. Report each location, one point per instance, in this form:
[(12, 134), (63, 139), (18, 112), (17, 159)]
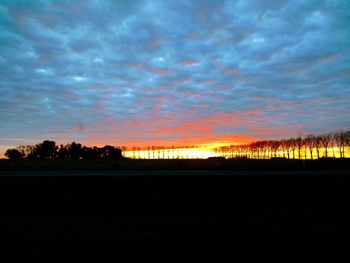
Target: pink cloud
[(189, 63), (155, 43), (231, 71), (162, 72), (137, 66), (209, 81)]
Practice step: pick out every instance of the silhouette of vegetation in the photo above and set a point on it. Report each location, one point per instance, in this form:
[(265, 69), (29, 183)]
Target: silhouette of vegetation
[(44, 150), (311, 146), (306, 147), (13, 154), (49, 150)]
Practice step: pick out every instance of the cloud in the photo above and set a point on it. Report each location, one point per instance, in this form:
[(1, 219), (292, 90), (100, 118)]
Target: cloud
[(169, 64)]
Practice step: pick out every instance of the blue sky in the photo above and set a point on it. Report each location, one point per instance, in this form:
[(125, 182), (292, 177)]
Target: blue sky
[(172, 72)]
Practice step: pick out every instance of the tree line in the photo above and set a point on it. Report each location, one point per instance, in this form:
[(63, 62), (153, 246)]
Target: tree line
[(303, 147), (310, 146), (71, 151)]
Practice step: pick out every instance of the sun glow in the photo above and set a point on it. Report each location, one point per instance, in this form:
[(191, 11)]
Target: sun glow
[(202, 151), (205, 151)]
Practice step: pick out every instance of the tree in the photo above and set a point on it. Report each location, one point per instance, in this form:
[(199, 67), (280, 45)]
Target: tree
[(74, 150), (293, 145), (325, 141), (333, 143), (310, 143), (45, 150), (299, 144), (275, 145), (340, 138), (13, 154), (62, 152), (110, 152), (285, 144), (25, 150), (347, 139), (318, 144), (90, 152)]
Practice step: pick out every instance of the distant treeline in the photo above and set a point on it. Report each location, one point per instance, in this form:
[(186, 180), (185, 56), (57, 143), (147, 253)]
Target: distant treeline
[(330, 145), (50, 150), (307, 147)]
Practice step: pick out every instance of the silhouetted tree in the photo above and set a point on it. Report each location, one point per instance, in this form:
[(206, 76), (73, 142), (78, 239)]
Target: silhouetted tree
[(62, 152), (340, 138), (325, 141), (293, 146), (299, 145), (347, 139), (110, 152), (285, 144), (25, 150), (13, 154), (45, 150), (90, 152), (317, 144), (274, 147), (333, 143), (74, 150), (310, 144)]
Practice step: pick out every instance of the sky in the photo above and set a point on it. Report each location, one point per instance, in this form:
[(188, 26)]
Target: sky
[(174, 72)]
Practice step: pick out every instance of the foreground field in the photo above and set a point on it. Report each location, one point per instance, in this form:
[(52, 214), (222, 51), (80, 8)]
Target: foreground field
[(187, 216), (175, 164)]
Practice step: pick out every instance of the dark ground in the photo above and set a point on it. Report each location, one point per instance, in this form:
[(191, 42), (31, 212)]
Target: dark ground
[(174, 164), (179, 216)]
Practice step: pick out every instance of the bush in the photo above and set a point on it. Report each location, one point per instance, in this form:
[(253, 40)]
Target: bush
[(13, 154)]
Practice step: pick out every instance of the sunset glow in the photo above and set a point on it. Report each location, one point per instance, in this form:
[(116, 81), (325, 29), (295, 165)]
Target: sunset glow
[(169, 74), (204, 152), (199, 152)]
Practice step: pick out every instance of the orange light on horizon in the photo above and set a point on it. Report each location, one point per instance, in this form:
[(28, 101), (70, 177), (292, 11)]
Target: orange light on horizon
[(201, 151), (220, 150)]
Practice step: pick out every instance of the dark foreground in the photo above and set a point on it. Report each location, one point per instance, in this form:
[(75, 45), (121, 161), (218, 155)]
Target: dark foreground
[(183, 216), (175, 164)]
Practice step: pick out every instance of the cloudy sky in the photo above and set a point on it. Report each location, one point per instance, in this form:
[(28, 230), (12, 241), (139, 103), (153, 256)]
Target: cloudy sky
[(172, 72)]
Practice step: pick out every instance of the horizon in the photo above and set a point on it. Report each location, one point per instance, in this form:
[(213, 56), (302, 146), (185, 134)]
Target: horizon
[(333, 145), (142, 73)]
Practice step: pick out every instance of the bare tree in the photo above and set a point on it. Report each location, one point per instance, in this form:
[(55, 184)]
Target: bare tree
[(293, 146), (340, 138), (317, 144), (265, 149), (333, 143), (285, 144), (274, 147), (299, 145), (309, 144), (347, 139), (325, 141)]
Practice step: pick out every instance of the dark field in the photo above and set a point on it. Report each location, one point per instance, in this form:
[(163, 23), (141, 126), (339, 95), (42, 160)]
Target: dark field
[(176, 216), (175, 164)]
